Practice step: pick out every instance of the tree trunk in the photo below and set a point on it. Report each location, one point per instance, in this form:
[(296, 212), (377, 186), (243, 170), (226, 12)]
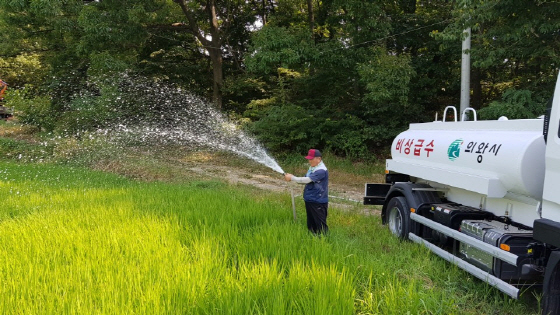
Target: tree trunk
[(264, 15), (476, 101), (215, 52), (311, 17), (216, 57), (213, 46)]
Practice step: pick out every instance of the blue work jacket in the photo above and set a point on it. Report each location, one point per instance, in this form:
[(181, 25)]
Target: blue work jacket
[(318, 189)]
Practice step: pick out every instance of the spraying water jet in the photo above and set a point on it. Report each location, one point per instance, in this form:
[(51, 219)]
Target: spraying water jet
[(165, 114)]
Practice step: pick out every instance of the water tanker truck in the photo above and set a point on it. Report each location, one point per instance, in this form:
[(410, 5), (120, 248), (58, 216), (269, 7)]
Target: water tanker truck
[(484, 195)]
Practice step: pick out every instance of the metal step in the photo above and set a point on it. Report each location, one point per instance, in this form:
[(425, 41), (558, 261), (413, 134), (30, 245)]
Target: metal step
[(485, 247), (475, 271)]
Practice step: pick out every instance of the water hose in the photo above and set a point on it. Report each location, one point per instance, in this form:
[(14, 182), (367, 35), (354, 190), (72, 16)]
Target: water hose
[(293, 200)]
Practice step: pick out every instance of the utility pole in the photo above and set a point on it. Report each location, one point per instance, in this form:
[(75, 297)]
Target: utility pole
[(465, 73)]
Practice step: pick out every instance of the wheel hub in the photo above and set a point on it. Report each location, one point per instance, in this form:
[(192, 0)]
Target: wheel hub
[(395, 221)]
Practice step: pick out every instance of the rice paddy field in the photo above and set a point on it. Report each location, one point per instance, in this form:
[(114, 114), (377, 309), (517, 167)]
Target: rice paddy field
[(77, 241)]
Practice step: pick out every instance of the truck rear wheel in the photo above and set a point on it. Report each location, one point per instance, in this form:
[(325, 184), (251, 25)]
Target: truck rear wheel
[(398, 217), (551, 287)]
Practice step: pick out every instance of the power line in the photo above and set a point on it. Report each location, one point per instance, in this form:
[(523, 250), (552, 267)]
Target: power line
[(389, 36), (335, 49)]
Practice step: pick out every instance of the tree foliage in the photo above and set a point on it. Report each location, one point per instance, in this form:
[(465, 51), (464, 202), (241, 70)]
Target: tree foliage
[(515, 45), (357, 74), (341, 75)]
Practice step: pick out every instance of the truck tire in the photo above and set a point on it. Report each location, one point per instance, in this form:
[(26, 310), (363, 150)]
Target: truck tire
[(551, 287), (398, 217)]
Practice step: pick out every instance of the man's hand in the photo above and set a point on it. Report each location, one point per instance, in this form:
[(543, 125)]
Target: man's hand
[(288, 177)]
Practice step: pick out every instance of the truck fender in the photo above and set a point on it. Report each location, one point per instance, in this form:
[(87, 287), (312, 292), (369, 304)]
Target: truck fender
[(415, 195)]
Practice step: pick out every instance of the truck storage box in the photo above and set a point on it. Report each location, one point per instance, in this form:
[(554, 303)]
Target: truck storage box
[(496, 233), (451, 215), (375, 193)]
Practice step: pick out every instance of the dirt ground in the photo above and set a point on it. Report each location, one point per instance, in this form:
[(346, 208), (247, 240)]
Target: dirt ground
[(271, 181), (345, 190), (235, 170), (340, 196)]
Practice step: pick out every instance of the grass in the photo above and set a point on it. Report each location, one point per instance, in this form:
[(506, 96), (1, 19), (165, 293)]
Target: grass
[(75, 241)]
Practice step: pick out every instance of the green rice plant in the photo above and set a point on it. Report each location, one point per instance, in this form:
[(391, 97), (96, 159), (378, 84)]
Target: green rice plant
[(22, 150), (74, 241)]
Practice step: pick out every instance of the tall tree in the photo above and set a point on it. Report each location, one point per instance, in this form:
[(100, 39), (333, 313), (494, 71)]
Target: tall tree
[(212, 22), (371, 68), (515, 46), (437, 66), (311, 16), (211, 41)]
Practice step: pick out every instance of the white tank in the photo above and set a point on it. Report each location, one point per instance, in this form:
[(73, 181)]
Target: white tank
[(488, 157)]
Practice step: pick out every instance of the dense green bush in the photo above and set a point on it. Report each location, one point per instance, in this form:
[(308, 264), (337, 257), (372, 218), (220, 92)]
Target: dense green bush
[(515, 104), (290, 127), (33, 110), (287, 127)]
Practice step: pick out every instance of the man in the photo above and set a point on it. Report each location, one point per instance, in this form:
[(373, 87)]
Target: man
[(316, 192)]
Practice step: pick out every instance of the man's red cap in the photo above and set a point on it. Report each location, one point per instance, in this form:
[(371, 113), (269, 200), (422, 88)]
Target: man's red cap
[(313, 153)]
